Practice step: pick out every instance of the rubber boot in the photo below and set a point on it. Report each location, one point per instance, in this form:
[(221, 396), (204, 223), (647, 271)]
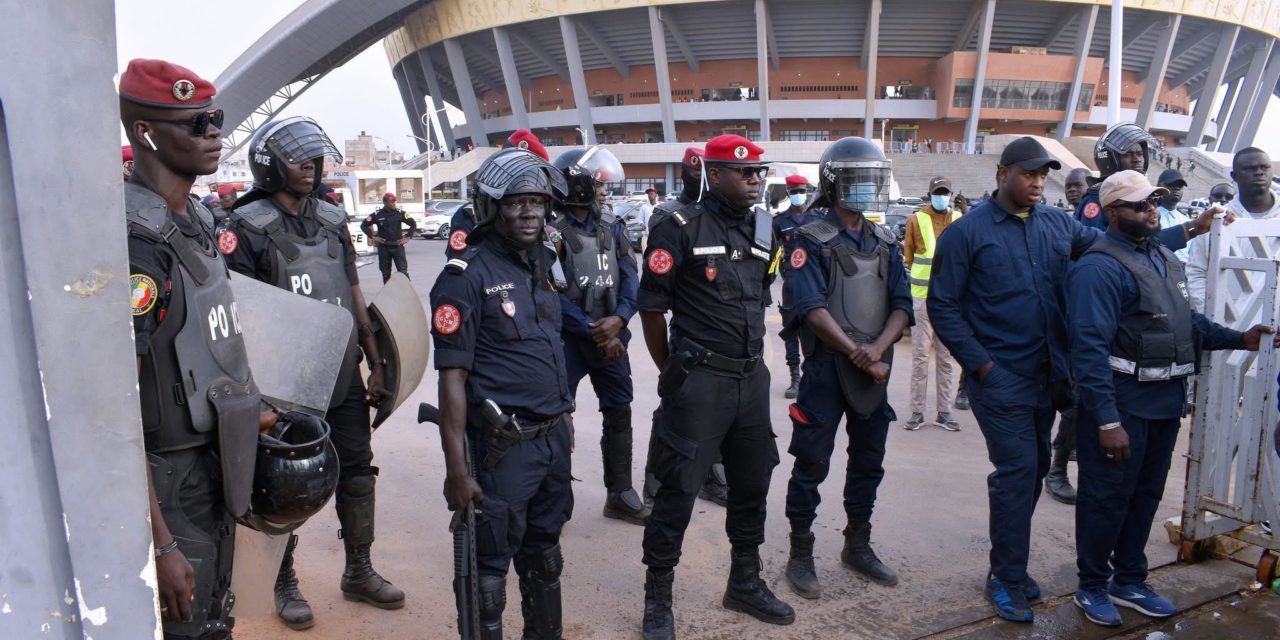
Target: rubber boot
[(793, 390), (857, 555), (747, 593), (1057, 483), (800, 571), (659, 622), (493, 600), (622, 503), (714, 487), (360, 583), (292, 608), (540, 594)]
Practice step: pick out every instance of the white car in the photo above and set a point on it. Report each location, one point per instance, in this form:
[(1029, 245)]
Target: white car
[(436, 225)]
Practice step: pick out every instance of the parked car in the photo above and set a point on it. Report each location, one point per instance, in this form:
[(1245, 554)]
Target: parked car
[(438, 223), (896, 219), (630, 213)]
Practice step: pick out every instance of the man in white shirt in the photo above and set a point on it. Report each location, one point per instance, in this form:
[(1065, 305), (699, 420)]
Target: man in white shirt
[(1172, 180), (646, 210)]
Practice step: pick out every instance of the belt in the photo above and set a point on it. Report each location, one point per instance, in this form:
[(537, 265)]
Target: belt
[(530, 431), (705, 356)]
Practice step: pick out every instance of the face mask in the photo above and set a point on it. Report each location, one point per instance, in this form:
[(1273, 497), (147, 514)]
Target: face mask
[(861, 196), (797, 199), (939, 203)]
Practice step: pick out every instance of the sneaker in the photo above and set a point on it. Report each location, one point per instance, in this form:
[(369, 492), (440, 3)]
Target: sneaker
[(1141, 598), (947, 422), (1097, 607), (1266, 527), (914, 422), (1010, 603)]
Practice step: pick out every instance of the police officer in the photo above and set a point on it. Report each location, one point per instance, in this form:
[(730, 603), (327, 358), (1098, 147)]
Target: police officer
[(1123, 147), (709, 263), (850, 288), (691, 186), (1134, 342), (785, 225), (496, 323), (221, 210), (599, 300), (390, 237), (463, 220), (198, 474), (282, 234)]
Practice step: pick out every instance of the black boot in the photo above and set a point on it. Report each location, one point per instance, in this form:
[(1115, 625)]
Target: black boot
[(659, 623), (793, 390), (857, 555), (747, 592), (615, 446), (290, 605), (800, 571), (1057, 483), (493, 600), (540, 594), (714, 487), (360, 583)]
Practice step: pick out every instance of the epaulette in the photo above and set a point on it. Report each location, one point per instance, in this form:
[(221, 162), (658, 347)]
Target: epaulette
[(686, 213), (881, 233), (820, 231), (460, 263)]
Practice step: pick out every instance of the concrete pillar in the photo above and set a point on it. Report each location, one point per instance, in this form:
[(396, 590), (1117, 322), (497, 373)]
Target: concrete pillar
[(871, 55), (1251, 85), (581, 101), (511, 77), (1213, 82), (1155, 72), (401, 74), (1224, 111), (1084, 40), (466, 92), (1260, 101), (1115, 63), (439, 120), (659, 37), (762, 67), (979, 82)]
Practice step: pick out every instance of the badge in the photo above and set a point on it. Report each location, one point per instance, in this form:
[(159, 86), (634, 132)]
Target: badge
[(184, 90), (740, 152), (524, 144), (446, 319), (660, 262), (1091, 210), (508, 305), (711, 270), (227, 242), (708, 251), (1182, 288), (458, 240), (142, 293), (798, 258), (736, 256)]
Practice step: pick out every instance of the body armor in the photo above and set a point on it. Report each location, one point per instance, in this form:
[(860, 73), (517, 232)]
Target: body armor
[(591, 268), (196, 386), (1159, 341)]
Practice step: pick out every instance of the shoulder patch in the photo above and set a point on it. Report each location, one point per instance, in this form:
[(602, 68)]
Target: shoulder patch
[(660, 262), (227, 242), (1091, 210), (143, 293), (458, 240), (798, 258), (446, 319)]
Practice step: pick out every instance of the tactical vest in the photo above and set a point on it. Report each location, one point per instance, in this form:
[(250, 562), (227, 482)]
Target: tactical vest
[(591, 268), (922, 263), (1159, 341), (197, 359)]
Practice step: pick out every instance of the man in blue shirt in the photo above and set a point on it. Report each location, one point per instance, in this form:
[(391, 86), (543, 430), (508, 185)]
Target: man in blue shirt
[(997, 301), (1134, 343), (785, 225)]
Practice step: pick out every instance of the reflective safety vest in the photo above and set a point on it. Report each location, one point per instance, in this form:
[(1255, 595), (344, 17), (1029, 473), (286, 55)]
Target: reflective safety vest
[(922, 263)]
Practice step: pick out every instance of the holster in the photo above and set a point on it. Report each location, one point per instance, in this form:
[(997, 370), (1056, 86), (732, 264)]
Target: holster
[(674, 372)]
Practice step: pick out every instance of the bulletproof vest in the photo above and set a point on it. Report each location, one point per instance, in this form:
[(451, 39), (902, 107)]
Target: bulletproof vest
[(201, 343), (591, 268), (1159, 341), (313, 266)]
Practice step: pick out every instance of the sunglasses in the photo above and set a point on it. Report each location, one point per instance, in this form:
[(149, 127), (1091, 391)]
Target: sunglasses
[(199, 123), (1141, 205), (759, 172)]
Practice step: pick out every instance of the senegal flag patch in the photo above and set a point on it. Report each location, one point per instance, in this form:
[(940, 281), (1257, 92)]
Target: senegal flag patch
[(142, 293)]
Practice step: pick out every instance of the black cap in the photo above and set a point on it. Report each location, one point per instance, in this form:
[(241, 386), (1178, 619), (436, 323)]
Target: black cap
[(1028, 153), (1170, 177)]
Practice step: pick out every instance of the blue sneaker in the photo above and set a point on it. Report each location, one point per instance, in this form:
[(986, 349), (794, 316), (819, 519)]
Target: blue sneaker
[(1097, 607), (1030, 588), (1141, 598), (1010, 602)]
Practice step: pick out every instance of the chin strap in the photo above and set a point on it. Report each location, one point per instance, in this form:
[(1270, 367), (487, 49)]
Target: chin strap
[(702, 182)]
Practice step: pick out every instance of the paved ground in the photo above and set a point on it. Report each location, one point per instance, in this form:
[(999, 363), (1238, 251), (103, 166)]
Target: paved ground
[(930, 524)]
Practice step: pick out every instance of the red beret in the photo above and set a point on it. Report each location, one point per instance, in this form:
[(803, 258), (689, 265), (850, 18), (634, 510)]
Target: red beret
[(524, 139), (387, 195), (692, 156), (126, 153), (164, 85), (797, 181), (651, 188), (225, 188), (733, 149)]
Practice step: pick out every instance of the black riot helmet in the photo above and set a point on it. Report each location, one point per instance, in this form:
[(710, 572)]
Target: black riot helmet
[(289, 141), (511, 172), (854, 173), (295, 474), (1116, 141), (584, 170)]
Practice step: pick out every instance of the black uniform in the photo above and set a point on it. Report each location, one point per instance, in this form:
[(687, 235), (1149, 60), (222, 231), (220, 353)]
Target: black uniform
[(704, 265), (390, 222)]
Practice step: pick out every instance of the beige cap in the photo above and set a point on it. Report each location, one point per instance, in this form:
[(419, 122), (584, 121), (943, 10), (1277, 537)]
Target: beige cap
[(1127, 186)]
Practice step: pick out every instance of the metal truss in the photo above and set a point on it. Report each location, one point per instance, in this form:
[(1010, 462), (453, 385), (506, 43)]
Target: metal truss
[(266, 112)]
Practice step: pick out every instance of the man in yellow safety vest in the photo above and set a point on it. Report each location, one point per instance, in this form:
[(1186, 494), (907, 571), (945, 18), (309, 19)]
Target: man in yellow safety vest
[(923, 230)]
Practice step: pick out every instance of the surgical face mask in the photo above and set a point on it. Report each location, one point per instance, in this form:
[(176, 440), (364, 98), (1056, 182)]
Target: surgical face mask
[(939, 203), (797, 199), (861, 196)]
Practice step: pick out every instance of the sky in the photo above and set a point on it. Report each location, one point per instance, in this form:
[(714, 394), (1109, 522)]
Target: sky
[(359, 96)]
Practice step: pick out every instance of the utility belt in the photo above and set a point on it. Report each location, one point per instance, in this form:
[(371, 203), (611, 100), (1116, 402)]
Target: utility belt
[(689, 354), (502, 431)]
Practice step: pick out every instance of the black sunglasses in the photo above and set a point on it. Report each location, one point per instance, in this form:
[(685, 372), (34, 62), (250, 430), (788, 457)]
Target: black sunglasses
[(757, 172), (1141, 205), (199, 123)]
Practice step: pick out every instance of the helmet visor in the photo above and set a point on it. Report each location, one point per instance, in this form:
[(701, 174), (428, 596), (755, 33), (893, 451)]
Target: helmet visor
[(302, 140), (601, 165), (863, 188), (512, 172)]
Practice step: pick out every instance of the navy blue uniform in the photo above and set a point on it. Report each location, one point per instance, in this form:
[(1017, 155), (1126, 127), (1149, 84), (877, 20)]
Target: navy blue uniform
[(496, 316), (821, 404), (1117, 500), (460, 226), (784, 229), (997, 294), (1089, 210)]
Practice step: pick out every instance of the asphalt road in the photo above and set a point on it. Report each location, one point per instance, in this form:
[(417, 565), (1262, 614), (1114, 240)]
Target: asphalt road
[(930, 525)]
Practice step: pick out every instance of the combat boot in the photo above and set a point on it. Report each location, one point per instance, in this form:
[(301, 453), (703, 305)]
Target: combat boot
[(857, 555), (292, 608), (659, 622), (1057, 483), (748, 593), (360, 583), (714, 487), (793, 390), (800, 571), (622, 503), (540, 594)]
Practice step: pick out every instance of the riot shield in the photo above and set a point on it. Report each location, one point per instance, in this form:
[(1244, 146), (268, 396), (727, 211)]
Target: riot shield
[(295, 344), (404, 340)]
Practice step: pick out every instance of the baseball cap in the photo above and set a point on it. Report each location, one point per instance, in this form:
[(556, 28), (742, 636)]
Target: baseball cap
[(1170, 177), (1127, 186), (1028, 153), (940, 182)]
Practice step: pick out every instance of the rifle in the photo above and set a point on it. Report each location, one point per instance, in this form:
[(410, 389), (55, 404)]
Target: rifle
[(466, 588)]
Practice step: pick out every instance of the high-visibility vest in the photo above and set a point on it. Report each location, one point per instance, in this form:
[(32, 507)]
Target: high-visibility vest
[(922, 263)]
